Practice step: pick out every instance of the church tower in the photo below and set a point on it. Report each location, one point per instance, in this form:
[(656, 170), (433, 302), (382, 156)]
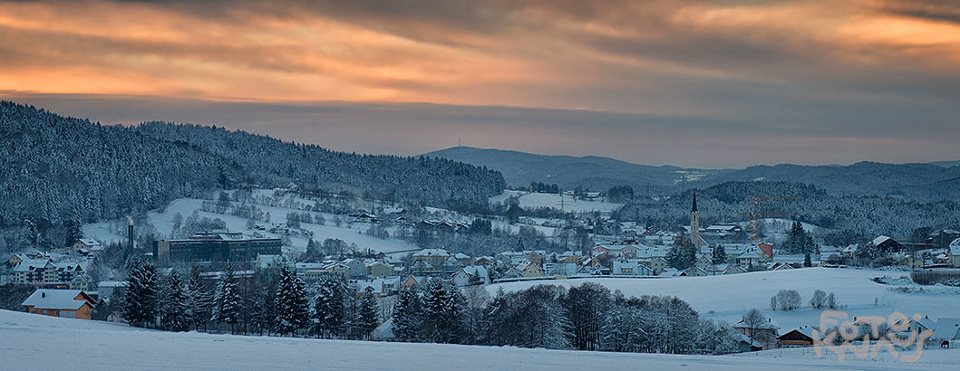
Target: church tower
[(695, 224)]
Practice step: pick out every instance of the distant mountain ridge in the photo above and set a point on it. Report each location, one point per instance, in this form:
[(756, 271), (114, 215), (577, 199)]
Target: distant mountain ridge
[(594, 172), (921, 182)]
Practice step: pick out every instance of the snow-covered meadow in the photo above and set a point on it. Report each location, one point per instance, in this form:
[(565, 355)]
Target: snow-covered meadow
[(164, 221), (37, 342), (530, 200), (727, 297)]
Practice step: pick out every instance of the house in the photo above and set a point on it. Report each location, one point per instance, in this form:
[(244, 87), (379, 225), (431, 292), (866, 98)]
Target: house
[(630, 267), (947, 329), (60, 303), (463, 259), (412, 282), (657, 264), (530, 269), (796, 338), (887, 244), (766, 248), (358, 268), (471, 275), (379, 269), (752, 257), (435, 257), (765, 332), (89, 245), (955, 253), (559, 269), (942, 238)]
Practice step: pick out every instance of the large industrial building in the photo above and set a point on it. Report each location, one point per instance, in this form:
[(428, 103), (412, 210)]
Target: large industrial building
[(213, 247)]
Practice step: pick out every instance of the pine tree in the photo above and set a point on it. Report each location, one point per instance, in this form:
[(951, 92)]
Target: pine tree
[(682, 254), (198, 301), (292, 306), (719, 255), (435, 311), (227, 304), (455, 329), (174, 311), (806, 260), (329, 308), (367, 315), (407, 316), (140, 305)]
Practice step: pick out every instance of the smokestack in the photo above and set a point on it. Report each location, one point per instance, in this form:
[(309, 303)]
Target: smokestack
[(130, 232)]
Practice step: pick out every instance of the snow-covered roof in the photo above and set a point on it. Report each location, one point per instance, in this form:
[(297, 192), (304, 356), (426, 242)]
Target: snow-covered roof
[(30, 264), (947, 328), (89, 242), (477, 270), (55, 299), (461, 255), (881, 239), (955, 247)]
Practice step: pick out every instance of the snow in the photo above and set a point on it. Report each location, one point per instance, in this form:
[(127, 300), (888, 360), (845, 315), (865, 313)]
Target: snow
[(57, 343), (727, 297), (530, 200), (163, 222)]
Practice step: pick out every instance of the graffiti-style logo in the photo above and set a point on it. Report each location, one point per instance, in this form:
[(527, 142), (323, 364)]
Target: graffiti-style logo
[(865, 337)]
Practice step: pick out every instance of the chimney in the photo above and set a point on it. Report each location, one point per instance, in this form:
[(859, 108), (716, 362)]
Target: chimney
[(130, 232), (43, 294)]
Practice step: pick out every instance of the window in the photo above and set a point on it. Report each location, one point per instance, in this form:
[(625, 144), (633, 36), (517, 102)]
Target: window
[(68, 314)]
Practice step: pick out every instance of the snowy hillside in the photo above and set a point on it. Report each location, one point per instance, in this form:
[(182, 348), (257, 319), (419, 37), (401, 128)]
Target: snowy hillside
[(164, 221), (112, 346), (728, 297), (533, 200)]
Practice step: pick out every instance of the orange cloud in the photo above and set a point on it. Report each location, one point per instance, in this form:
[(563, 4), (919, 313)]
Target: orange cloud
[(551, 54)]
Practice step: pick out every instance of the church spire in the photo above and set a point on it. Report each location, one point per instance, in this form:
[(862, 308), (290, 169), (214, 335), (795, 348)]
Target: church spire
[(694, 202)]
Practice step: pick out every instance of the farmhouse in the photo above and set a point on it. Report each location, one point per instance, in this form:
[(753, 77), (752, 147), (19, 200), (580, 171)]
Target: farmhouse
[(60, 303), (796, 338)]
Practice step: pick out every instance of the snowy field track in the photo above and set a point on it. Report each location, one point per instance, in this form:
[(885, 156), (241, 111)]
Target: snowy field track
[(33, 342)]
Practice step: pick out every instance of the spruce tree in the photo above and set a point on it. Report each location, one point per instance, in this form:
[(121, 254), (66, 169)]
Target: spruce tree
[(329, 308), (407, 316), (682, 254), (368, 314), (199, 301), (227, 303), (455, 328), (174, 311), (435, 312), (292, 307), (140, 305), (719, 255)]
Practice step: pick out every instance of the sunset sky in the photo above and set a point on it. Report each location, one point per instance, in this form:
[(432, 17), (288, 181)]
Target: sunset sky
[(708, 84)]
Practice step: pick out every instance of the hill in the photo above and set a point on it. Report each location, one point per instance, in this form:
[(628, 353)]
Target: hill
[(68, 171), (596, 173), (733, 201), (46, 343), (918, 182)]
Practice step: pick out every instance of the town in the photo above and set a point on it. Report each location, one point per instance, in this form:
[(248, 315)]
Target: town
[(260, 259)]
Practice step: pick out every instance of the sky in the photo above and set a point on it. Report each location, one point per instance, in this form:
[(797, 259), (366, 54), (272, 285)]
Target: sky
[(724, 83)]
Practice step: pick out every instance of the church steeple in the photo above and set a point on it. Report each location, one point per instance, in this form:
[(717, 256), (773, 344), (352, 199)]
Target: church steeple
[(695, 223)]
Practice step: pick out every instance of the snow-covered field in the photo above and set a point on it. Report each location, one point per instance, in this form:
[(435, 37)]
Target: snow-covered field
[(35, 342), (164, 221), (536, 200), (728, 297)]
